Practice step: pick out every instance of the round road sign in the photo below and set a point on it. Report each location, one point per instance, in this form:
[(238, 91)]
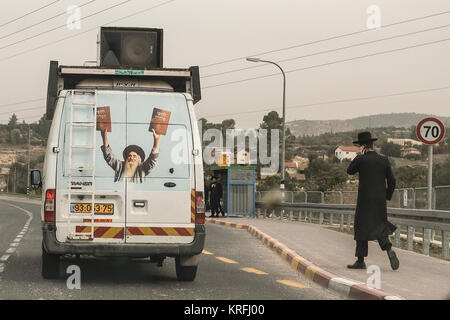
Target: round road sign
[(430, 130)]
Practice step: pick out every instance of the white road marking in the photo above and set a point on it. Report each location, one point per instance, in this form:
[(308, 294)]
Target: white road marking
[(16, 241)]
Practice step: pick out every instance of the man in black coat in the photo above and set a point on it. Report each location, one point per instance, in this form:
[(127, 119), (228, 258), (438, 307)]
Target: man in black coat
[(371, 213), (216, 194)]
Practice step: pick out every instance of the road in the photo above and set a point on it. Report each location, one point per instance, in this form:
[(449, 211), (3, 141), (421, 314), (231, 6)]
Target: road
[(234, 265)]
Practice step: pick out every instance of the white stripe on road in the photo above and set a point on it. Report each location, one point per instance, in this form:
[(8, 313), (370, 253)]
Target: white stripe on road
[(16, 241)]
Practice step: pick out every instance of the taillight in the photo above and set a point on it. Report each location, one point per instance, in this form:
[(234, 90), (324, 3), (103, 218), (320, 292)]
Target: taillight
[(49, 205), (199, 208)]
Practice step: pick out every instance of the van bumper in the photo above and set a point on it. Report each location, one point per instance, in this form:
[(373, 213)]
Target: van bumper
[(53, 246)]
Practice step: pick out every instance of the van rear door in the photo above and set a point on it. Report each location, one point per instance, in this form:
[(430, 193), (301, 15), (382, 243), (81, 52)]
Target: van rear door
[(109, 219), (159, 200)]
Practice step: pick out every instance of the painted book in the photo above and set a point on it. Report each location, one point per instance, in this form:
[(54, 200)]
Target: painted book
[(160, 121), (104, 119)]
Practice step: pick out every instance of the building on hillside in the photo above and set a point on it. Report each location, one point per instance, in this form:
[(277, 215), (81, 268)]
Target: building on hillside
[(405, 142), (296, 169), (267, 175), (346, 152), (408, 151), (7, 158), (301, 160)]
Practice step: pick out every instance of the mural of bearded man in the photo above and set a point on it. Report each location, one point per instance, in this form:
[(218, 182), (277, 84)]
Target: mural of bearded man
[(133, 168)]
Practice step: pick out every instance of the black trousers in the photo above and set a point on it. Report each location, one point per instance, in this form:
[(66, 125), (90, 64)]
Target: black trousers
[(362, 246)]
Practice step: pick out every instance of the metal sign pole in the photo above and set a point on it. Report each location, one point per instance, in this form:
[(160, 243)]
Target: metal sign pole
[(430, 176)]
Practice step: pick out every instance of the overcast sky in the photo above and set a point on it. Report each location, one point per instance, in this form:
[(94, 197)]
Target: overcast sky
[(205, 32)]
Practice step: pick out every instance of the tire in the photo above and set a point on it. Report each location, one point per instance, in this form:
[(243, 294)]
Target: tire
[(185, 273), (50, 265)]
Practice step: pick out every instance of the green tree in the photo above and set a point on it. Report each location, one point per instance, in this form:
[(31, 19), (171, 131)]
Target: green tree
[(410, 177), (327, 175), (391, 149), (12, 123)]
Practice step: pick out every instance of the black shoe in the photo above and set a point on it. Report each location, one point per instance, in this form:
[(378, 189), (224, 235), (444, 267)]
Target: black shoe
[(395, 264), (357, 265), (212, 216)]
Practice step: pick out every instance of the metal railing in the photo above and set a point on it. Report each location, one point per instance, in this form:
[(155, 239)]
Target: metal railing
[(407, 212), (413, 198)]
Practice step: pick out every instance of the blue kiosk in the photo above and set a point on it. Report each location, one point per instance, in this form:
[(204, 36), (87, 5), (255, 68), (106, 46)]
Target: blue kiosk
[(239, 187)]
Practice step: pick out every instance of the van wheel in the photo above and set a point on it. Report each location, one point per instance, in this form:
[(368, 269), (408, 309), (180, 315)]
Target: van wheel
[(50, 264), (185, 273)]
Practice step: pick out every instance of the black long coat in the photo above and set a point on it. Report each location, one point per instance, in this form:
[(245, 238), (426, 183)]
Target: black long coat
[(371, 214), (216, 194)]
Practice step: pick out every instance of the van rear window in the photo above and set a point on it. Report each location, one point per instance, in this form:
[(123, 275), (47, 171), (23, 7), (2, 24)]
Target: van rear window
[(135, 137)]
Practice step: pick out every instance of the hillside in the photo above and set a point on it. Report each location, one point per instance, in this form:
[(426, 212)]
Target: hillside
[(316, 127)]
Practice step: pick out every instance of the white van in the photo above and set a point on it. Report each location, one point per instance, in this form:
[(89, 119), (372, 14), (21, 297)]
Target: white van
[(123, 171)]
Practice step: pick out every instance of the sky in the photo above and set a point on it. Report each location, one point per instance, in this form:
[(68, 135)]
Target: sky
[(325, 79)]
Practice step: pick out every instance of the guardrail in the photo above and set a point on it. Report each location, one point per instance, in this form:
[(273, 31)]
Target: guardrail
[(413, 198), (430, 221)]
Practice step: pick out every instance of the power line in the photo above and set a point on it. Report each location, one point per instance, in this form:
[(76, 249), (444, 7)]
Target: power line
[(45, 20), (21, 110), (335, 101), (20, 102), (81, 33), (65, 25), (329, 63), (78, 34), (327, 39), (29, 13), (330, 50)]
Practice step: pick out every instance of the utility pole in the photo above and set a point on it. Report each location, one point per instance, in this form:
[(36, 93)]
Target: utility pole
[(28, 171), (283, 125), (15, 178)]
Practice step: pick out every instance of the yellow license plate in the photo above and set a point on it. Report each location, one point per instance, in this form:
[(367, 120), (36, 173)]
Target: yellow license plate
[(99, 208)]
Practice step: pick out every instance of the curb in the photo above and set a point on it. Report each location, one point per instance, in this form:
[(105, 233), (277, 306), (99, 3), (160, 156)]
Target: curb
[(350, 288)]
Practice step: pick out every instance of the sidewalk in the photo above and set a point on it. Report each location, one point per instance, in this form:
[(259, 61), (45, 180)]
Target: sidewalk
[(419, 277)]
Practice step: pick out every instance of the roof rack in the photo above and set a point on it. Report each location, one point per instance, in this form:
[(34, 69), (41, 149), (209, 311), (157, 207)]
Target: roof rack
[(67, 78)]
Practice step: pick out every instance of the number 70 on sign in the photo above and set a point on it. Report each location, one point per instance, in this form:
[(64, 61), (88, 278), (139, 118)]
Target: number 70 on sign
[(430, 130)]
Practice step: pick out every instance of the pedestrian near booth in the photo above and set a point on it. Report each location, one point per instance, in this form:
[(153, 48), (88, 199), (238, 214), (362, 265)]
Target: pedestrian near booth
[(371, 221), (216, 194)]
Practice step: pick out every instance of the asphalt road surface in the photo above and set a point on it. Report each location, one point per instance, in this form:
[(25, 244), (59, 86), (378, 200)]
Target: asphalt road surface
[(234, 265)]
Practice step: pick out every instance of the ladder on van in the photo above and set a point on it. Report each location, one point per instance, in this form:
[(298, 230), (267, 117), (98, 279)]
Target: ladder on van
[(86, 188)]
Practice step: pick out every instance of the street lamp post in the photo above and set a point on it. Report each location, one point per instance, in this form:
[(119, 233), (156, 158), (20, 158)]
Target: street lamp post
[(284, 117)]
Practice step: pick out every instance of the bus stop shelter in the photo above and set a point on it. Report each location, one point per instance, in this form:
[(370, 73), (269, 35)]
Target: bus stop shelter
[(238, 183)]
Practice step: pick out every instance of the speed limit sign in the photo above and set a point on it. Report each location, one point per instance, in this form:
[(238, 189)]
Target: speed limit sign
[(430, 130)]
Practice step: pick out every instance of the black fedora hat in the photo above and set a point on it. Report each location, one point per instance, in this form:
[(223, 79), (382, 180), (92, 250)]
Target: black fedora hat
[(364, 137), (133, 148)]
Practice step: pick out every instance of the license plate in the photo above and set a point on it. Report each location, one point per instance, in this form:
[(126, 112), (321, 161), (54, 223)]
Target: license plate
[(99, 208)]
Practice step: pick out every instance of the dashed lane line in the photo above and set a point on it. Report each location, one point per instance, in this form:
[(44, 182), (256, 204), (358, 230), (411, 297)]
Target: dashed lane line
[(291, 283), (207, 252), (13, 246), (253, 270), (226, 260)]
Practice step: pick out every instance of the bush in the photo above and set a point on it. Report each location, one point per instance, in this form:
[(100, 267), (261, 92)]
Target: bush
[(413, 157)]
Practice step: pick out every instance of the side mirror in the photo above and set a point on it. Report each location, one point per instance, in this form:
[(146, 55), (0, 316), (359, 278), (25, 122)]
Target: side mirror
[(35, 179)]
